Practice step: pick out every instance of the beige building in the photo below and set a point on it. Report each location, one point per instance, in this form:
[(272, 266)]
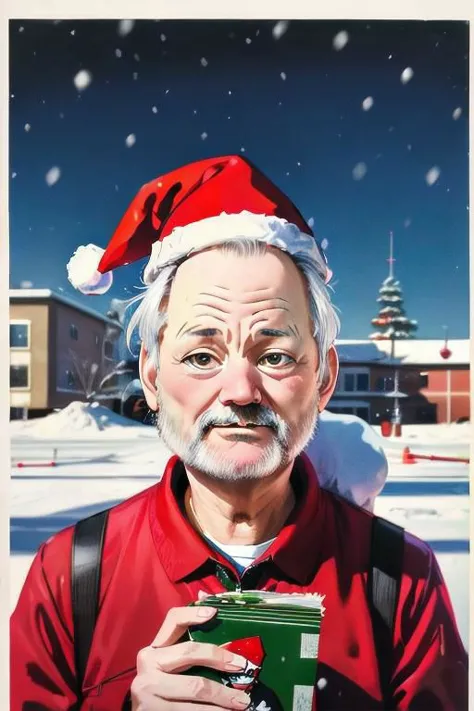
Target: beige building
[(59, 350)]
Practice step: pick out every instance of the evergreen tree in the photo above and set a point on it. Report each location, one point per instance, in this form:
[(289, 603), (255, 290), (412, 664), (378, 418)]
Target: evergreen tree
[(391, 322)]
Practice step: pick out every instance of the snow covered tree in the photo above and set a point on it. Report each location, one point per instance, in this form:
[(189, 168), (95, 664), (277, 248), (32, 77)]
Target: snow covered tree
[(391, 322)]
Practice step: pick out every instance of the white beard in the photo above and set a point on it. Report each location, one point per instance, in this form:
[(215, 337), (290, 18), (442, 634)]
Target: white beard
[(197, 453)]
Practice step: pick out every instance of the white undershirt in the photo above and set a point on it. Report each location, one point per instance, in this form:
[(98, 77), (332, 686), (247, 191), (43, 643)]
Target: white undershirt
[(241, 555)]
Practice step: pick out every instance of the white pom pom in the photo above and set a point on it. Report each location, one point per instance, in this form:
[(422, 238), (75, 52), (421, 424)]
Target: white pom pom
[(82, 271)]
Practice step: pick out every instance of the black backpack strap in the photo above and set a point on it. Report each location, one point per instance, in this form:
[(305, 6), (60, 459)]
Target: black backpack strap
[(385, 573), (87, 546)]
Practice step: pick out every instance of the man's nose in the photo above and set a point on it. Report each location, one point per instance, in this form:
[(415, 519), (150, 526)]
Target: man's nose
[(240, 383)]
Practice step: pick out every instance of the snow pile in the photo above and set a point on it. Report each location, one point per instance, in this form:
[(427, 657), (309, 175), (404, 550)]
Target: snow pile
[(82, 419)]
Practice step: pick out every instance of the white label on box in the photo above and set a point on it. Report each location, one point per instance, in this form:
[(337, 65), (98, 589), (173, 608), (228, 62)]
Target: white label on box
[(309, 646), (302, 698)]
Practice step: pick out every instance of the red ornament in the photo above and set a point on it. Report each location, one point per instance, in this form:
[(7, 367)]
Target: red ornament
[(445, 352)]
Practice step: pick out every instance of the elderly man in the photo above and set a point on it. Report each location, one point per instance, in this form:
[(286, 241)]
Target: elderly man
[(237, 360)]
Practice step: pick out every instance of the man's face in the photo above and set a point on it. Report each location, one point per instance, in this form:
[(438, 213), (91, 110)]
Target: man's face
[(237, 387)]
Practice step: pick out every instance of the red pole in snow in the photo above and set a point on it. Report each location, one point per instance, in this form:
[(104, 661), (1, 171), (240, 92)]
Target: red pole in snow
[(35, 464)]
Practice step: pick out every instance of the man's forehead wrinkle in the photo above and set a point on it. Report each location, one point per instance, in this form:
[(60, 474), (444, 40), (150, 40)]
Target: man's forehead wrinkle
[(214, 296), (183, 326), (211, 306), (270, 308), (217, 318)]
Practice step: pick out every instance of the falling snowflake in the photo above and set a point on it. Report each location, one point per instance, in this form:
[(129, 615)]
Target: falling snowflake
[(72, 32), (298, 163), (391, 129), (279, 103), (203, 136), (287, 173), (21, 29), (125, 27), (61, 116), (311, 222), (324, 243), (407, 222), (457, 113), (130, 140), (432, 176), (53, 175), (82, 79), (136, 57), (167, 91), (116, 188), (228, 117), (14, 175), (154, 109), (322, 683), (204, 62), (27, 127), (390, 56), (248, 40), (280, 28), (229, 92), (12, 96), (195, 112), (406, 75), (283, 76), (409, 146), (135, 76), (163, 38), (367, 103), (257, 33), (359, 171), (340, 40), (242, 150), (118, 53)]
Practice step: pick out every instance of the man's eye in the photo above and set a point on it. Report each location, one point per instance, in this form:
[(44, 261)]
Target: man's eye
[(276, 359), (201, 361)]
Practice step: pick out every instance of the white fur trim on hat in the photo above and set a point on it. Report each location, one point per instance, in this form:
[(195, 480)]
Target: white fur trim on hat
[(82, 270), (197, 236)]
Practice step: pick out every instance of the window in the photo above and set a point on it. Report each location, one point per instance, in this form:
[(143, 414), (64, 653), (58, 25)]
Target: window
[(423, 380), (362, 381), (70, 379), (74, 333), (108, 349), (353, 381), (20, 335), (385, 384), (19, 376)]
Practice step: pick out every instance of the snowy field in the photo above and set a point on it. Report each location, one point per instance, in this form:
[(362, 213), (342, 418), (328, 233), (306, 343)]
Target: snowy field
[(105, 462)]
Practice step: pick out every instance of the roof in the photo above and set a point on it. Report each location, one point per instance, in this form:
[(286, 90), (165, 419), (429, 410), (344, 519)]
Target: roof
[(407, 352), (44, 294)]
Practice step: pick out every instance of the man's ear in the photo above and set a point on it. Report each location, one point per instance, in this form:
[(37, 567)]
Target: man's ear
[(147, 369), (333, 371)]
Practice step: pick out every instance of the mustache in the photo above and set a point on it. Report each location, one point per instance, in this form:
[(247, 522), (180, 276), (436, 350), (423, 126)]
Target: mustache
[(253, 414)]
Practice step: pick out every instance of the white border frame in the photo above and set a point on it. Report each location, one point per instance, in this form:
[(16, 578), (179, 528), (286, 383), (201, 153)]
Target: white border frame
[(186, 9)]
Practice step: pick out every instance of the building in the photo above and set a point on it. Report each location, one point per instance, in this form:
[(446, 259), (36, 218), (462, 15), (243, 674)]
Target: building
[(59, 351), (433, 389)]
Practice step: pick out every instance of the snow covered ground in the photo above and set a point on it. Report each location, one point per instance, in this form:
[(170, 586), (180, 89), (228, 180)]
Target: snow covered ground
[(97, 468)]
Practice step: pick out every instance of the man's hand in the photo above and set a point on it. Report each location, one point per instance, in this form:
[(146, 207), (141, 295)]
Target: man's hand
[(159, 686)]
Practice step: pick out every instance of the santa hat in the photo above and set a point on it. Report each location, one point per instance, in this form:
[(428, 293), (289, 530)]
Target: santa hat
[(250, 647), (191, 209)]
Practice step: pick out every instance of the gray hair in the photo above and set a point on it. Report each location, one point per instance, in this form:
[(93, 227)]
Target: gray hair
[(150, 317)]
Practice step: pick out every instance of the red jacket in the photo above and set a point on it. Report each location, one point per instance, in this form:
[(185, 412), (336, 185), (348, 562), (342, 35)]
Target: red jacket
[(153, 560)]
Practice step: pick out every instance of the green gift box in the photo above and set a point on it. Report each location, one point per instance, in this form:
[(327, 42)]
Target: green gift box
[(278, 634)]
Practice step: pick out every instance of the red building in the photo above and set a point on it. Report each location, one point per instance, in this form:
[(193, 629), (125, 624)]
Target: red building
[(434, 389)]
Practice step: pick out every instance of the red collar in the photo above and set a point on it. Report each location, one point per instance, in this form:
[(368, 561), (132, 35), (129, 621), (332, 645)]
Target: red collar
[(182, 551)]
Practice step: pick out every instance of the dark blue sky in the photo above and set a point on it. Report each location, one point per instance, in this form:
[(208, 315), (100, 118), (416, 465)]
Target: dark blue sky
[(305, 128)]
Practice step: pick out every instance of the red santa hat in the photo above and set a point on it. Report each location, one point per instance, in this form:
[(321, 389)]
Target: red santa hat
[(191, 209), (250, 647)]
